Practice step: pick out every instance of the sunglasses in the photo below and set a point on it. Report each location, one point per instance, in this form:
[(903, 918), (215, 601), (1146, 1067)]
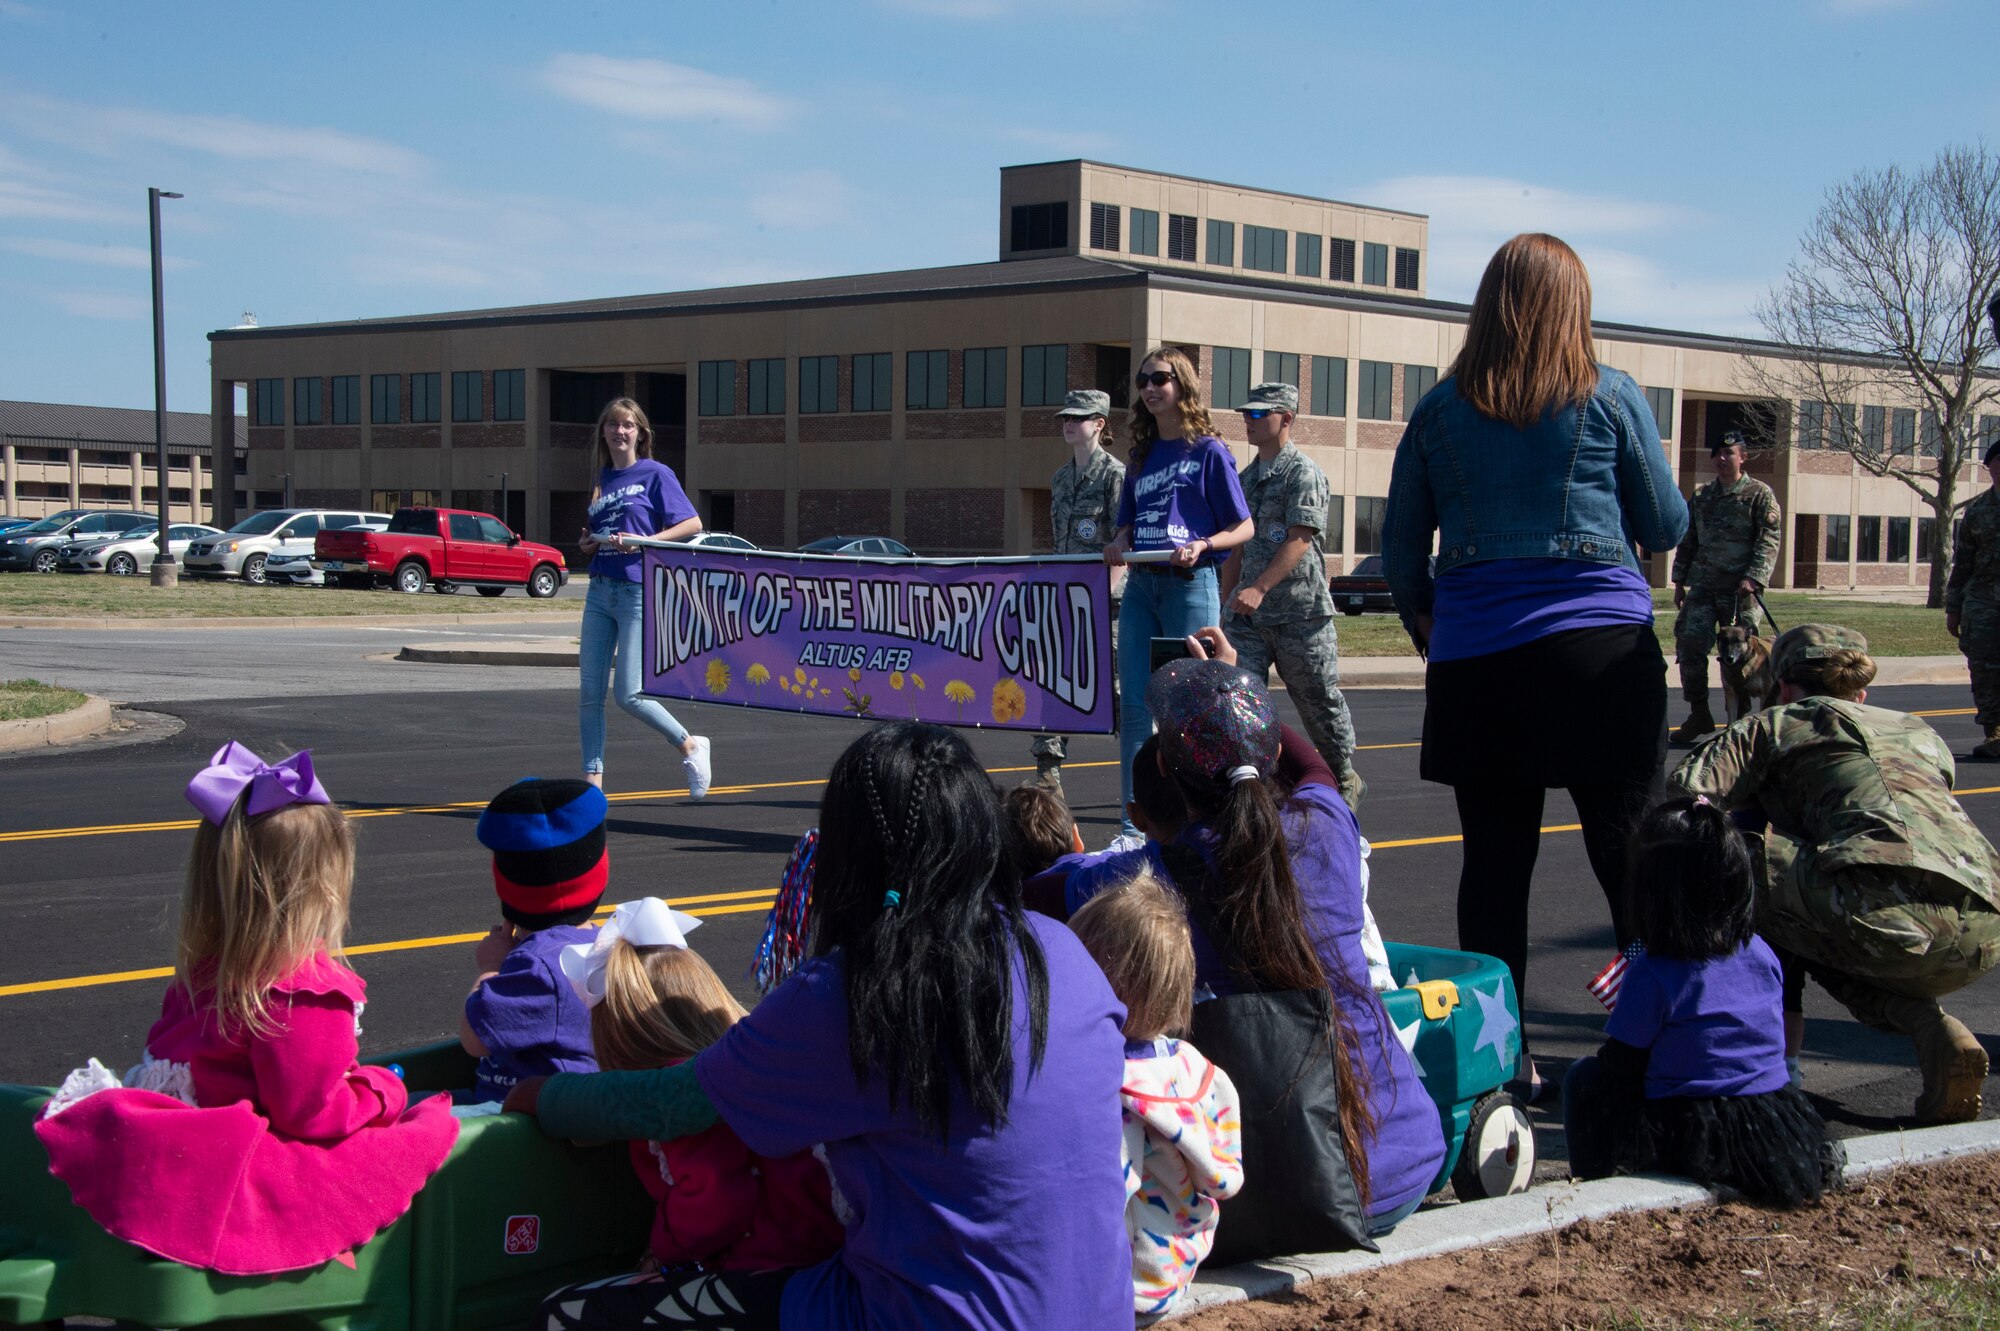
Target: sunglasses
[(1158, 378), (1257, 415)]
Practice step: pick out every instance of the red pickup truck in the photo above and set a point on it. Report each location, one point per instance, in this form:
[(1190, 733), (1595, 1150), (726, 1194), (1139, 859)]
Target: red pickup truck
[(440, 548)]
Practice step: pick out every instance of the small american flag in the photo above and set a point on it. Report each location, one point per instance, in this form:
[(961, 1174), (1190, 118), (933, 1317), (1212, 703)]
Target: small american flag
[(1604, 985)]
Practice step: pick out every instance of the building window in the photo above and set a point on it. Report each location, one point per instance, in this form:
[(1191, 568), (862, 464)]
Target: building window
[(305, 401), (270, 401), (510, 395), (1335, 536), (1281, 367), (1868, 539), (1812, 425), (1406, 269), (1378, 392), (1041, 226), (986, 377), (872, 389), (924, 382), (1180, 237), (1931, 437), (1044, 375), (385, 398), (1222, 243), (1417, 381), (1989, 433), (346, 399), (1838, 529), (1903, 430), (767, 387), (1369, 511), (1899, 542), (1264, 249), (1924, 537), (819, 385), (426, 397), (468, 393), (1661, 400), (1329, 386), (1874, 429), (1232, 377), (1375, 265), (1145, 231), (1104, 226), (1305, 255), (1339, 260), (715, 388)]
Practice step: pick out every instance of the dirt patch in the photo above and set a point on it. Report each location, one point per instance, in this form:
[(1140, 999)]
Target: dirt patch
[(1674, 1268)]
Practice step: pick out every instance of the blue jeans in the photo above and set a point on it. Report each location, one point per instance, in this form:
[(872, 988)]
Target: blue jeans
[(1157, 605), (612, 627)]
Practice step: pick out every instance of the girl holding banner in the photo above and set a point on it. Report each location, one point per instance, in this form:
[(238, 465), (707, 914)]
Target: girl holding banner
[(1180, 513), (635, 496)]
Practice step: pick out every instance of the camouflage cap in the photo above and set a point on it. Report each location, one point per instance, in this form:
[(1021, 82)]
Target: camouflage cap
[(1081, 402), (1810, 642), (1273, 397)]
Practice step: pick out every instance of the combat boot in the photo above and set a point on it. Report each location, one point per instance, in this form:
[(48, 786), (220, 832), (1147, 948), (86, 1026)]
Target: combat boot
[(1699, 721), (1048, 774), (1954, 1065), (1989, 750), (1351, 787)]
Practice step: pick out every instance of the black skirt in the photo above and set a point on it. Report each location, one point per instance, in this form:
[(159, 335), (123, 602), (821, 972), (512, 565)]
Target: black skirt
[(1771, 1148), (1576, 708)]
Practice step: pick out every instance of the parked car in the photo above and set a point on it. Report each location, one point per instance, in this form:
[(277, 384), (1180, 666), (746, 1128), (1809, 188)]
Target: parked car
[(724, 540), (9, 524), (244, 549), (292, 564), (1365, 588), (131, 552), (443, 549), (879, 546), (39, 545)]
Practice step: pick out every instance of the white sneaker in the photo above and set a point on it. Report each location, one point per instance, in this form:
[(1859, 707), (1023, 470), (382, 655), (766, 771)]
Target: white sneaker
[(1129, 841), (696, 766)]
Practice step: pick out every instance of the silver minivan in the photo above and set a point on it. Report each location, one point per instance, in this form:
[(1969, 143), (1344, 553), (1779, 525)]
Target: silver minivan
[(242, 550)]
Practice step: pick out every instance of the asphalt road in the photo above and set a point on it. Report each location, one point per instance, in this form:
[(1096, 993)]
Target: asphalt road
[(92, 841)]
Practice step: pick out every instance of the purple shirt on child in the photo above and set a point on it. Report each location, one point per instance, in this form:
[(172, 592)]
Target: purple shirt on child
[(1019, 1225), (1714, 1027), (640, 500), (531, 1020), (1185, 492)]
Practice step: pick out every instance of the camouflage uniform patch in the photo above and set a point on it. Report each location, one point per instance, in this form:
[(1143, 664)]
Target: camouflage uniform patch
[(1733, 533), (1871, 867), (1083, 508), (1293, 628), (1973, 593)]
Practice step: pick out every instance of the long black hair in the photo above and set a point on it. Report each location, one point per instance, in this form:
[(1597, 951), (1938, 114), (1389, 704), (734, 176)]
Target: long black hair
[(1692, 883), (915, 885)]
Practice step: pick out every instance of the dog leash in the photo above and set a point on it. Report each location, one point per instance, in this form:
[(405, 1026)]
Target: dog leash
[(1759, 595)]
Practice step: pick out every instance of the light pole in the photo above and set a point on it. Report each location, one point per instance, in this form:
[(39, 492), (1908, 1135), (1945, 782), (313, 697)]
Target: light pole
[(505, 516), (165, 572), (285, 478)]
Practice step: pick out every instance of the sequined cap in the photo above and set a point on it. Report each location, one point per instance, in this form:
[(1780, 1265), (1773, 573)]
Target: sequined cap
[(1212, 717)]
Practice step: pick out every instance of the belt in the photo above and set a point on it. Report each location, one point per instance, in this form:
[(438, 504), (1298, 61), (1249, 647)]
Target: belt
[(1163, 570)]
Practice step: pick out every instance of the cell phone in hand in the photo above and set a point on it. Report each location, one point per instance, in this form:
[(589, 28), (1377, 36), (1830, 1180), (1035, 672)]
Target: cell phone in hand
[(1168, 649)]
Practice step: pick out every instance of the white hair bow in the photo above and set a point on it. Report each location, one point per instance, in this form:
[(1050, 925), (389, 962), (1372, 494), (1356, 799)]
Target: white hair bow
[(647, 922)]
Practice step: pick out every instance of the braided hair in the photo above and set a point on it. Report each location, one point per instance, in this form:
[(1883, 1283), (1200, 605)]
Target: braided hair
[(915, 887)]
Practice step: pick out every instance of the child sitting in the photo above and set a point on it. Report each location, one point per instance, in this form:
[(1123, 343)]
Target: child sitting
[(1872, 879), (1042, 831), (249, 1142), (1691, 1079), (655, 1003), (1183, 1128), (550, 866)]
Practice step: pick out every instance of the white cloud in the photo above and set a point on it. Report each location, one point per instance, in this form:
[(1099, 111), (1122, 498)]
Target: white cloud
[(15, 9), (18, 198), (644, 89), (102, 304), (1514, 206), (1061, 143), (804, 200), (70, 251)]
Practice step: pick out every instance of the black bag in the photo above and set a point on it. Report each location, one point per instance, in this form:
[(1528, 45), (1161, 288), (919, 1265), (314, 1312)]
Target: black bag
[(1298, 1192)]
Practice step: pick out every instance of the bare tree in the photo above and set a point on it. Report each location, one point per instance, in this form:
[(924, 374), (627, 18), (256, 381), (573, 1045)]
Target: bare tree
[(1886, 301)]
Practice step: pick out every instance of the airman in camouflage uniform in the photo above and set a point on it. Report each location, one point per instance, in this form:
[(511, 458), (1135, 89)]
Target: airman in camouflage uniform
[(1873, 876), (1279, 611), (1724, 561), (1972, 605), (1083, 506)]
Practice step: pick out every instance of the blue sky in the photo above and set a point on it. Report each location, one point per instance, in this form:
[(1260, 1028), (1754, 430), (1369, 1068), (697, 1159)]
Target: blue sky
[(363, 159)]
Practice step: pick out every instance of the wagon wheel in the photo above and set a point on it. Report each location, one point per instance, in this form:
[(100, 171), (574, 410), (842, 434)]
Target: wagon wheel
[(1498, 1157)]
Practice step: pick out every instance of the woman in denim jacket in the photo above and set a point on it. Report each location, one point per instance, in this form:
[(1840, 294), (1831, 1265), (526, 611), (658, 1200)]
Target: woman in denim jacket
[(1540, 473)]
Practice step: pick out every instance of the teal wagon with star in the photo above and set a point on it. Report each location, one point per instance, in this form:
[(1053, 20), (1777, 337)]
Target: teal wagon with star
[(1457, 1014)]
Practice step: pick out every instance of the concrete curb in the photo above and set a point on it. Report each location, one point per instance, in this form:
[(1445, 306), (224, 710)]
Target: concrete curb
[(520, 652), (40, 732), (1551, 1207), (280, 621)]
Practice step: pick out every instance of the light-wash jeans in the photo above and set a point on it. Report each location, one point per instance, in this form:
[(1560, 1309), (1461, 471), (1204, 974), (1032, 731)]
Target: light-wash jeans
[(613, 628), (1157, 605)]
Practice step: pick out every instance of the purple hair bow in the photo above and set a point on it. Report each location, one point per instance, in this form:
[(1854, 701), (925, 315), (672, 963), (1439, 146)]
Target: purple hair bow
[(216, 788)]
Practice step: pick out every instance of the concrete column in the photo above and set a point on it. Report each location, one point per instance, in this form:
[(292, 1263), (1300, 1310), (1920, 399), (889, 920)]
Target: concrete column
[(75, 477), (222, 451)]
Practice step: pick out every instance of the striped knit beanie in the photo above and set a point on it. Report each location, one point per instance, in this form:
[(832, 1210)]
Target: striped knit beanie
[(550, 862)]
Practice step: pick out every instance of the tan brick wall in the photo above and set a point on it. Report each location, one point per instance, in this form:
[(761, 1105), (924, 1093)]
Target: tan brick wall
[(413, 436), (1822, 463), (1378, 434), (742, 429), (1319, 431), (267, 437), (326, 436), (760, 517), (955, 424), (844, 429), (1883, 575), (842, 513), (490, 434), (955, 522), (566, 434)]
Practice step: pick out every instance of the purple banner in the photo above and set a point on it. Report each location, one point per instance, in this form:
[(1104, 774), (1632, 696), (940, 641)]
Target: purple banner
[(1020, 644)]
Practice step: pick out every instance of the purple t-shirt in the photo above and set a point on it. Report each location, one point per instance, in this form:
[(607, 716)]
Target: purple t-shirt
[(1185, 492), (1501, 603), (1021, 1225), (640, 500), (531, 1020), (1715, 1027)]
